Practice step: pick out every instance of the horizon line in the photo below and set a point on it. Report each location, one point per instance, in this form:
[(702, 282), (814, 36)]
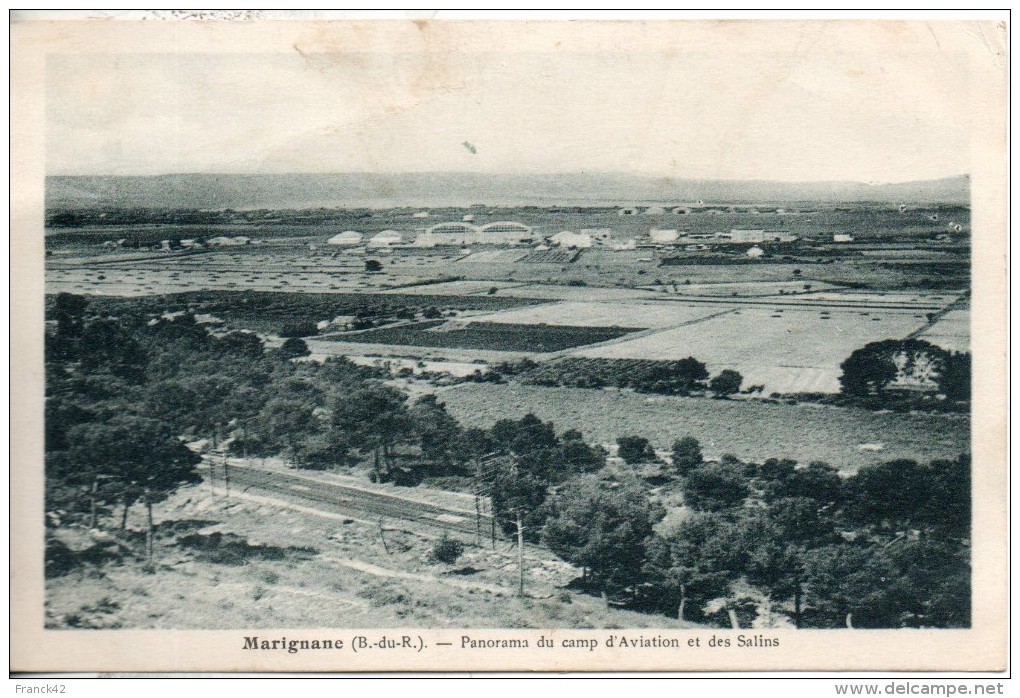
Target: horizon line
[(517, 173)]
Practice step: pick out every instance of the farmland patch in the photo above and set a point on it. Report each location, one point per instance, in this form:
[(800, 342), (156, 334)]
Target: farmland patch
[(622, 314), (770, 346), (750, 430), (486, 336)]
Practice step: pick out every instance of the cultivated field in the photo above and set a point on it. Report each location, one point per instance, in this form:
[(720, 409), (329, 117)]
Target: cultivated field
[(619, 314), (749, 430), (951, 331), (785, 349), (490, 336)]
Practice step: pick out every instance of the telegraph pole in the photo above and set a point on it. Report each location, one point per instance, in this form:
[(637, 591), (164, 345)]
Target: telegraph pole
[(520, 555), (226, 474), (92, 512), (478, 503)]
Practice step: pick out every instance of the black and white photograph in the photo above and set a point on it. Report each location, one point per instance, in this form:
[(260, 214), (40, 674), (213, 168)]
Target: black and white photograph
[(629, 335)]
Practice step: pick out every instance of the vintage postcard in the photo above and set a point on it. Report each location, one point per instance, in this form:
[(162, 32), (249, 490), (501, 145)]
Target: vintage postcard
[(508, 345)]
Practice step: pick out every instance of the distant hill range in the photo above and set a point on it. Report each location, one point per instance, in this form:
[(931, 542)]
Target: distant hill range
[(365, 190)]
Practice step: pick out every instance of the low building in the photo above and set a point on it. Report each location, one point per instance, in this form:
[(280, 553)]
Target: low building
[(222, 241), (655, 211), (628, 211), (348, 238), (842, 237), (663, 235), (386, 238), (506, 233), (754, 236), (568, 239), (755, 252)]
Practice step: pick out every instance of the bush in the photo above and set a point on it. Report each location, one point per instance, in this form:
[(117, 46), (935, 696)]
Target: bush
[(447, 550), (635, 449)]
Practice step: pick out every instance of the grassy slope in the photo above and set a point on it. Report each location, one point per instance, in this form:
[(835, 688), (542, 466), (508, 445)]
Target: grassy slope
[(347, 579)]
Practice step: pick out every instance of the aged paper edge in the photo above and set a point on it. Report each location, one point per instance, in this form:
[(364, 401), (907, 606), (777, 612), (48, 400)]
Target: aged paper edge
[(981, 648)]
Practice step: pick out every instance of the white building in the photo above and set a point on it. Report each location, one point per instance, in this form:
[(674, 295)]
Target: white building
[(348, 238), (743, 235), (420, 214), (505, 233), (567, 238), (755, 252), (663, 235), (221, 241), (386, 238), (452, 234), (628, 211), (655, 211), (842, 237)]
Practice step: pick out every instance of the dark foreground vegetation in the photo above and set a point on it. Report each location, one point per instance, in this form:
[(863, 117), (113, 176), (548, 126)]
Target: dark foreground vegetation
[(715, 542)]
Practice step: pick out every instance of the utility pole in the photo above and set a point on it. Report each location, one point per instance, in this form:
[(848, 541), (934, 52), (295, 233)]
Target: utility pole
[(226, 474), (478, 503), (92, 506), (520, 555)]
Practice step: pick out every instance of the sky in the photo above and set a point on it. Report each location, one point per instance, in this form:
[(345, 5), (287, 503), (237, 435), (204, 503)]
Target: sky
[(776, 116)]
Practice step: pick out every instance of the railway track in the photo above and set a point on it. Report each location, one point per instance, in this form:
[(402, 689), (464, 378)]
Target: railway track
[(356, 502)]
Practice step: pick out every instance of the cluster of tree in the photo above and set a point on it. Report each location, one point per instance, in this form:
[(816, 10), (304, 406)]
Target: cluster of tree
[(682, 377), (886, 547), (905, 372), (142, 385)]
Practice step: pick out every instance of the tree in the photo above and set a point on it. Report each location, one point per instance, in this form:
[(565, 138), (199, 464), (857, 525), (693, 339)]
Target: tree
[(294, 347), (136, 458), (106, 345), (579, 457), (716, 486), (373, 265), (285, 423), (872, 369), (517, 491), (782, 479), (603, 527), (686, 455), (524, 435), (439, 435), (702, 562), (241, 343), (911, 583), (869, 370), (373, 418), (888, 495), (727, 383), (947, 507), (954, 382), (635, 449)]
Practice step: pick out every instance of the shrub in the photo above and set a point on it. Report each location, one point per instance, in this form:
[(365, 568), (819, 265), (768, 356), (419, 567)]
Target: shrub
[(447, 550)]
